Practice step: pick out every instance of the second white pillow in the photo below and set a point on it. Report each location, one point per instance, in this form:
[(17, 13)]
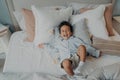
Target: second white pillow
[(81, 30), (95, 21)]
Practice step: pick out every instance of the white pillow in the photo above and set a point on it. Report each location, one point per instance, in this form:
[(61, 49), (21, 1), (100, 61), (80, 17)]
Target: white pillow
[(20, 19), (81, 30), (95, 21), (46, 21), (77, 6)]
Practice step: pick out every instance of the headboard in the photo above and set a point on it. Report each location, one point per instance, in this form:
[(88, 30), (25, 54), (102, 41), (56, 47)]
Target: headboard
[(18, 4)]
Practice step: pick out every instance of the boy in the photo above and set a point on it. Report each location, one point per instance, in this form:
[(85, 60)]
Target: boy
[(72, 50)]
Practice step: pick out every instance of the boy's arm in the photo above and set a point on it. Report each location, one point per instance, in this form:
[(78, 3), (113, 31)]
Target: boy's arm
[(51, 48), (41, 45)]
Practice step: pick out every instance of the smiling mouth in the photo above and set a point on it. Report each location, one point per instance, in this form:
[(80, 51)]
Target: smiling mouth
[(65, 35)]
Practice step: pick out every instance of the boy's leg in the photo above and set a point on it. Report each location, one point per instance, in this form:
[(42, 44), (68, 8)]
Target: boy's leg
[(67, 66), (82, 53)]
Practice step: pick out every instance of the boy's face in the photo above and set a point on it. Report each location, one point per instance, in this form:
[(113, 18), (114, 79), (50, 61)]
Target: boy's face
[(65, 32)]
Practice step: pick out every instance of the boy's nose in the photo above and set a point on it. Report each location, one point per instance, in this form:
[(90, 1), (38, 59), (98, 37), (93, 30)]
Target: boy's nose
[(65, 32)]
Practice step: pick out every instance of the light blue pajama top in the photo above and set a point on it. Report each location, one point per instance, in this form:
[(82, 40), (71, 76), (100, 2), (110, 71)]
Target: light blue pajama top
[(69, 47)]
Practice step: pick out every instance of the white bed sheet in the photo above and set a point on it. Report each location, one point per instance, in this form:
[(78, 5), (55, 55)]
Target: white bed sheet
[(110, 72), (25, 57)]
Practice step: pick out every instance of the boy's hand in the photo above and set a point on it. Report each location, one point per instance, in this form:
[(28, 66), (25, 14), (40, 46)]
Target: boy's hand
[(41, 45)]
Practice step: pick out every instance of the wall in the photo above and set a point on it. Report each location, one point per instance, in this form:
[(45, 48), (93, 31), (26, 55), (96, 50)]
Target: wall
[(4, 15), (116, 11)]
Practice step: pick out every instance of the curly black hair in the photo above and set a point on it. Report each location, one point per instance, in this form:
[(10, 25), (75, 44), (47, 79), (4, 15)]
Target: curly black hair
[(65, 23)]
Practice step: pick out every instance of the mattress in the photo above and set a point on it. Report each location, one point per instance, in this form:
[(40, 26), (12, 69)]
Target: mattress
[(23, 56)]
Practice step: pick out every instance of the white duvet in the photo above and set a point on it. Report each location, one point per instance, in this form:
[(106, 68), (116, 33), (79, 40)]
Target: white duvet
[(25, 57), (109, 72)]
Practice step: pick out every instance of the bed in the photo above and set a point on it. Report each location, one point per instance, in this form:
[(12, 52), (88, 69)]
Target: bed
[(25, 61)]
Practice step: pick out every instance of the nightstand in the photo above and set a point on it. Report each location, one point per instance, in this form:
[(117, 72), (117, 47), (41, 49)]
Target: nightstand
[(4, 40)]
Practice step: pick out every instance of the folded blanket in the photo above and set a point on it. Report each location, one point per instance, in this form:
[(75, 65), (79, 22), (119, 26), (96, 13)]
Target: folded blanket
[(107, 46)]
